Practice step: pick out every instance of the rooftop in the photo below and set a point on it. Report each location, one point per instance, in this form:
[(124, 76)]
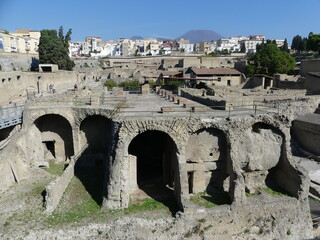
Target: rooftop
[(215, 71)]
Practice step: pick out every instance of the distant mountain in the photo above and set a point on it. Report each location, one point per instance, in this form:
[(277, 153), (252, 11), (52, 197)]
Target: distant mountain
[(196, 36), (136, 38), (163, 39)]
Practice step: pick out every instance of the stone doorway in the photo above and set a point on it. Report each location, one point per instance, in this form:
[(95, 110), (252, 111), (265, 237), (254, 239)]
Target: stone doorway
[(51, 149), (153, 166), (56, 135)]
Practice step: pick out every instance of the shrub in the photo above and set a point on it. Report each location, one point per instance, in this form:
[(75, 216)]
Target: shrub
[(110, 84)]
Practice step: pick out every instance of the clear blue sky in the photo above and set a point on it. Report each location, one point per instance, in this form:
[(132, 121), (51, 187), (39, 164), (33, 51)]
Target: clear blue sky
[(166, 18)]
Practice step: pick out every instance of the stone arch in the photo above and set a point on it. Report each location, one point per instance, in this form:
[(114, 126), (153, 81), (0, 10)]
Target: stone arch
[(38, 113), (123, 133), (154, 167), (56, 135), (208, 161), (176, 129)]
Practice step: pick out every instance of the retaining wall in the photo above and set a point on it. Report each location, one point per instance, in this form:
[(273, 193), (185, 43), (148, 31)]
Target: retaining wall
[(56, 188)]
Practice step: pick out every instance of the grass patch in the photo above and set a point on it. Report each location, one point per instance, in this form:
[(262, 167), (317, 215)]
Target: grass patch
[(147, 204), (88, 208), (55, 168), (250, 194), (274, 192), (208, 201)]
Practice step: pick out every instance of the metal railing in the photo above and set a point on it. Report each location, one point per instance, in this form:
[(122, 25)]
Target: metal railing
[(11, 114), (201, 110)]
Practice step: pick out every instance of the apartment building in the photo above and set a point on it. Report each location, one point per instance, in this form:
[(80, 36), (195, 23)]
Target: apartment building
[(19, 43)]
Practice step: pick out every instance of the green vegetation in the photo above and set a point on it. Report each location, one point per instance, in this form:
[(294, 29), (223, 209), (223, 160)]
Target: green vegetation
[(130, 85), (37, 190), (243, 48), (274, 192), (175, 83), (110, 84), (288, 232), (269, 59), (86, 65), (209, 201), (6, 223), (53, 49), (55, 168), (202, 220), (299, 44), (252, 194), (285, 47), (147, 204), (313, 42), (207, 227)]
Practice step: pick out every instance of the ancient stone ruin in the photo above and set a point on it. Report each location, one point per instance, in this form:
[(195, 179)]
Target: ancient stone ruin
[(137, 151)]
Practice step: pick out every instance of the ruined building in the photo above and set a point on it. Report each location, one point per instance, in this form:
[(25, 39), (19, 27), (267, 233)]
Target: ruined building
[(165, 146)]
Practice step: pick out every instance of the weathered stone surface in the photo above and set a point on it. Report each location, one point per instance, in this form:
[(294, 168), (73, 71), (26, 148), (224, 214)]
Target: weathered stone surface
[(235, 156)]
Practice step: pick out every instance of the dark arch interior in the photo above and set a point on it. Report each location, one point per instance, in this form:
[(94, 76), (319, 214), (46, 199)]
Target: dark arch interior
[(5, 132), (157, 165), (59, 125), (91, 168)]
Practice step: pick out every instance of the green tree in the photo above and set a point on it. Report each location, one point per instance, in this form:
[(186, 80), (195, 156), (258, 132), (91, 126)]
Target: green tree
[(269, 59), (303, 45), (53, 49), (285, 47), (296, 43), (313, 42), (243, 48)]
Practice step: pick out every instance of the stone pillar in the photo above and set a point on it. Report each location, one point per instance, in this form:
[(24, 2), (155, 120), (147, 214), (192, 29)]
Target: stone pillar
[(76, 140), (133, 183), (145, 89)]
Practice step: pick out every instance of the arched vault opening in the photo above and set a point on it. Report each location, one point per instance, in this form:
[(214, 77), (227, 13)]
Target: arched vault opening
[(154, 167), (56, 135)]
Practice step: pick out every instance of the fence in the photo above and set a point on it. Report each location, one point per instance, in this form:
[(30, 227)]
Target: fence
[(11, 114), (200, 110)]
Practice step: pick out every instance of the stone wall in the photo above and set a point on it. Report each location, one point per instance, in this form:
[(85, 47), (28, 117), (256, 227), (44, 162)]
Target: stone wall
[(15, 85), (18, 62), (248, 169), (284, 81), (309, 66), (251, 150), (306, 131), (16, 159), (194, 95), (56, 188)]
